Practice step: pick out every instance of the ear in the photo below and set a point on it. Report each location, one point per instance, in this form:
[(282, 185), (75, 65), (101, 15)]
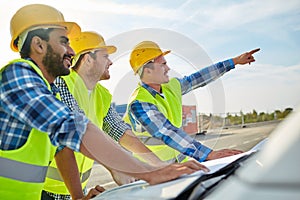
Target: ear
[(86, 58), (38, 44), (147, 70)]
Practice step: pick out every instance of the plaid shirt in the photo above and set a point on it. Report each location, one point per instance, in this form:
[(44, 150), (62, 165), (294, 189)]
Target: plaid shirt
[(26, 103), (113, 124), (52, 196), (146, 116)]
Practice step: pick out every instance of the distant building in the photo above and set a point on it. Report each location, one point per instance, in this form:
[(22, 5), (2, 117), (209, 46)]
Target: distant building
[(189, 117)]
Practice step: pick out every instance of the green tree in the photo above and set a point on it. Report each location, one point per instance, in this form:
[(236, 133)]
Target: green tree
[(287, 111)]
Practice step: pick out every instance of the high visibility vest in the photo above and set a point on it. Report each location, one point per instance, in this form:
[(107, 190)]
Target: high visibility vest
[(23, 170), (171, 107), (95, 105)]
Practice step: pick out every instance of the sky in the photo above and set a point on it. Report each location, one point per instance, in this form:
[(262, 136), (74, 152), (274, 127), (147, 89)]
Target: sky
[(198, 33)]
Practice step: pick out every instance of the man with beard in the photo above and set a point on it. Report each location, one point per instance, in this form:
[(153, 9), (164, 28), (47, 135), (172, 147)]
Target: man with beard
[(31, 117)]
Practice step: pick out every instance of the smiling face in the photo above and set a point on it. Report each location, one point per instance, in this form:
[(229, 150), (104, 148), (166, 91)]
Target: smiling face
[(57, 58)]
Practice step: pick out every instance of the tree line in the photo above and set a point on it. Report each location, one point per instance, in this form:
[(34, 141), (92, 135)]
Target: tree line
[(254, 116)]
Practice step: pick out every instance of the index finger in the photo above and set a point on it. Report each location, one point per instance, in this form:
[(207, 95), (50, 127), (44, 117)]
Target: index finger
[(254, 51), (196, 165), (99, 188)]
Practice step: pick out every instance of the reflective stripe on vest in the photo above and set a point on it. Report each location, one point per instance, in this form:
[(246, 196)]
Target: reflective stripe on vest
[(170, 106), (55, 175), (23, 170)]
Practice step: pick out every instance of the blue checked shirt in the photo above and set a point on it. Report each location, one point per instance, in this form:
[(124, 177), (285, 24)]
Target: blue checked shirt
[(146, 116), (26, 103)]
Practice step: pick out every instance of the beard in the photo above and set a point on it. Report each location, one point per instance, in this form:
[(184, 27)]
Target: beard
[(54, 63), (105, 76)]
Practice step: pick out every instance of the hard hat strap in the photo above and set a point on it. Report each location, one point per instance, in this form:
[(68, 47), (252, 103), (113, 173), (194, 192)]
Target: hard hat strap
[(23, 36), (21, 39), (141, 69)]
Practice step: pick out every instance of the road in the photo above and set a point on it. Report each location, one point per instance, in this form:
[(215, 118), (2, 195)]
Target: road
[(234, 138), (237, 138)]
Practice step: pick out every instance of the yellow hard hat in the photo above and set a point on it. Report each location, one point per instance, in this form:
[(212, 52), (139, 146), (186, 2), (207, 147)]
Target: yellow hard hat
[(88, 41), (35, 15), (143, 53)]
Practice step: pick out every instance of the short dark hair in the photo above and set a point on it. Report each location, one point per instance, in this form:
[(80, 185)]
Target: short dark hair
[(92, 54), (147, 65), (43, 33)]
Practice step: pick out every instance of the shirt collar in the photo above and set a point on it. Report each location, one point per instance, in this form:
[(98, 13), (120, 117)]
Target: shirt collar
[(54, 89), (151, 90), (30, 59)]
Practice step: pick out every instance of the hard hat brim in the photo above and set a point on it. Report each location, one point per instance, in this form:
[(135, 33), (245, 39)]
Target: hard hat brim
[(73, 30), (110, 49), (165, 53)]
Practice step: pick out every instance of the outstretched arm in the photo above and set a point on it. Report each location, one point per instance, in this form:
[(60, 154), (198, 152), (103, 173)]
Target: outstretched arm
[(208, 74), (117, 129), (98, 146)]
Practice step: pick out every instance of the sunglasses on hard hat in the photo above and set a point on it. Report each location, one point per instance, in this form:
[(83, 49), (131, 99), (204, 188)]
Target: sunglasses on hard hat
[(148, 62)]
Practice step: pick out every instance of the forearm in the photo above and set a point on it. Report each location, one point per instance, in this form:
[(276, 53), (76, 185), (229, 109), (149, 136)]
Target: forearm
[(182, 142), (67, 166), (121, 132), (98, 146), (133, 144), (155, 123)]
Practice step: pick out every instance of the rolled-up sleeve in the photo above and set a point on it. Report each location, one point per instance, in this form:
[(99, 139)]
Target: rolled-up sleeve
[(113, 125)]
